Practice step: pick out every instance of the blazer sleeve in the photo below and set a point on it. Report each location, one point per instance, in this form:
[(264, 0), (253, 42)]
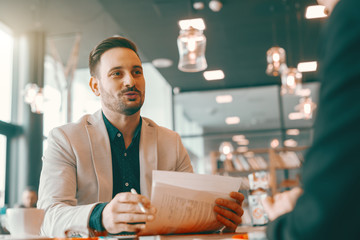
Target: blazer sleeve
[(329, 206), (57, 190)]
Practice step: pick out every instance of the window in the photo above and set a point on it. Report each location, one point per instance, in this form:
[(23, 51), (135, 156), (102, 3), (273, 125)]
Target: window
[(6, 61), (2, 168)]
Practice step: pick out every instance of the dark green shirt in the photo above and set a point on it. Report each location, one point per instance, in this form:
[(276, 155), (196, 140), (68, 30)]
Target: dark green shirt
[(125, 168)]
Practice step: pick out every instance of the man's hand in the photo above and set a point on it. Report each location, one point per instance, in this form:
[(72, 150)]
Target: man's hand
[(281, 203), (122, 213), (229, 212)]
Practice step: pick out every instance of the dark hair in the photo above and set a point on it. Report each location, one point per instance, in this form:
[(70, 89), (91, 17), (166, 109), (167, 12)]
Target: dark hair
[(30, 189), (103, 46)]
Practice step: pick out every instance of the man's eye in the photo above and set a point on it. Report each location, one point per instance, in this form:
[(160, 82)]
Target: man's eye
[(116, 74), (138, 72)]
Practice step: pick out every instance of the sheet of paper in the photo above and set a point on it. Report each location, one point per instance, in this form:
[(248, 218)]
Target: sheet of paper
[(185, 201)]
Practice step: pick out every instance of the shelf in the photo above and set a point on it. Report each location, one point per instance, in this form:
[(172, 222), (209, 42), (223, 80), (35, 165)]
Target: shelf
[(275, 159)]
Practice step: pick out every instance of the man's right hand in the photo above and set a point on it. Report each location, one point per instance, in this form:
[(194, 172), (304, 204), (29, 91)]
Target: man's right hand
[(123, 214)]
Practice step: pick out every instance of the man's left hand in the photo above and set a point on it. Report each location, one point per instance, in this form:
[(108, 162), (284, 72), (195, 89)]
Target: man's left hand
[(229, 212)]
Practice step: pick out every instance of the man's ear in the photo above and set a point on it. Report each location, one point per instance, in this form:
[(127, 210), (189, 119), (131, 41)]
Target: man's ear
[(94, 85)]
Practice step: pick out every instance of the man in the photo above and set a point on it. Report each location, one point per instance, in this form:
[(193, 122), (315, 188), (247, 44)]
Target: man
[(90, 166), (329, 205), (29, 198)]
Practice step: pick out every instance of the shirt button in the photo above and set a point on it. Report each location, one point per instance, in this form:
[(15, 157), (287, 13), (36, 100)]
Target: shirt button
[(127, 184), (119, 134), (125, 154)]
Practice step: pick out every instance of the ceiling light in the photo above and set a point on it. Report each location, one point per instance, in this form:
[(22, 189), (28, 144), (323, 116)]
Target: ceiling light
[(197, 23), (304, 109), (176, 90), (232, 120), (293, 132), (316, 11), (303, 92), (275, 58), (290, 80), (215, 5), (290, 143), (243, 142), (198, 5), (295, 116), (237, 138), (224, 99), (214, 75), (191, 44), (307, 66), (162, 63)]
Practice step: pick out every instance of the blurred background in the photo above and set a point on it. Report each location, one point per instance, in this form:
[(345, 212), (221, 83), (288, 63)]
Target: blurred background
[(253, 105)]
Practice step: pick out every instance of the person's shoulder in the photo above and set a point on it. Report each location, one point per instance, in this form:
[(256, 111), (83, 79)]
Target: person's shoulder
[(87, 119), (161, 130)]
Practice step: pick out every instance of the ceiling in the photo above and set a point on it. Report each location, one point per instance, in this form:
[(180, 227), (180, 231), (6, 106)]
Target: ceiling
[(238, 37)]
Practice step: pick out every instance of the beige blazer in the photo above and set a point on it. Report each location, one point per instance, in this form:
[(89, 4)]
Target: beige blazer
[(77, 169)]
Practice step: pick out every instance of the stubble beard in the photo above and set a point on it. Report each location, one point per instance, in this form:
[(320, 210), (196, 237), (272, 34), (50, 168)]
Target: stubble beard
[(119, 105)]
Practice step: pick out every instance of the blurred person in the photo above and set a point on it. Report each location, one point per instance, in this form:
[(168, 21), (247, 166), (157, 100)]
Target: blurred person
[(90, 166), (327, 208), (29, 198)]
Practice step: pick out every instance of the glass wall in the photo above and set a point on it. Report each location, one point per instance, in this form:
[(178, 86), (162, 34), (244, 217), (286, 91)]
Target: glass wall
[(6, 63), (261, 113), (2, 168)]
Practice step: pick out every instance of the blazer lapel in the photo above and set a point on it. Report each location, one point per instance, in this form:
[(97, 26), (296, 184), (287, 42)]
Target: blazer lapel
[(148, 156), (101, 155)]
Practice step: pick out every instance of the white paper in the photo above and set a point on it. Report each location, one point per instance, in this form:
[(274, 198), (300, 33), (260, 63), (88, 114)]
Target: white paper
[(185, 201)]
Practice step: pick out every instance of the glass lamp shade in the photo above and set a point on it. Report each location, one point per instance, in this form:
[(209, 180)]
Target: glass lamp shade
[(306, 107), (276, 60), (291, 80), (192, 43)]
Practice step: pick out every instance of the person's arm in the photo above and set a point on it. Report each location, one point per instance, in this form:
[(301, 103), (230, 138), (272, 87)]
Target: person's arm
[(57, 189), (281, 203), (328, 207), (123, 213)]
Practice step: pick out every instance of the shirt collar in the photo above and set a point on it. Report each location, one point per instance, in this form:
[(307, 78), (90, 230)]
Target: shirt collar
[(113, 131)]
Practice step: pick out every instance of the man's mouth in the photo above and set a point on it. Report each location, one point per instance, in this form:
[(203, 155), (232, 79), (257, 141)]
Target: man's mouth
[(131, 94)]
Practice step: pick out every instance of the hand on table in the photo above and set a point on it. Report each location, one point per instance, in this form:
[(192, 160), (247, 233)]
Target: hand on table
[(281, 203), (123, 214), (229, 212)]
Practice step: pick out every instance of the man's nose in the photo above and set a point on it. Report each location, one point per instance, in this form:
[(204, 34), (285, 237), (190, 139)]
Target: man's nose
[(129, 80)]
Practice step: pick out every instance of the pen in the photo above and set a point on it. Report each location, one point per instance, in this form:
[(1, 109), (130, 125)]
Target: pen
[(142, 208), (222, 229)]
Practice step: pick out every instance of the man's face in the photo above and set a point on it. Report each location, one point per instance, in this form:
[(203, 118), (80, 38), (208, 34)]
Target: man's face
[(121, 83), (329, 5), (29, 199)]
